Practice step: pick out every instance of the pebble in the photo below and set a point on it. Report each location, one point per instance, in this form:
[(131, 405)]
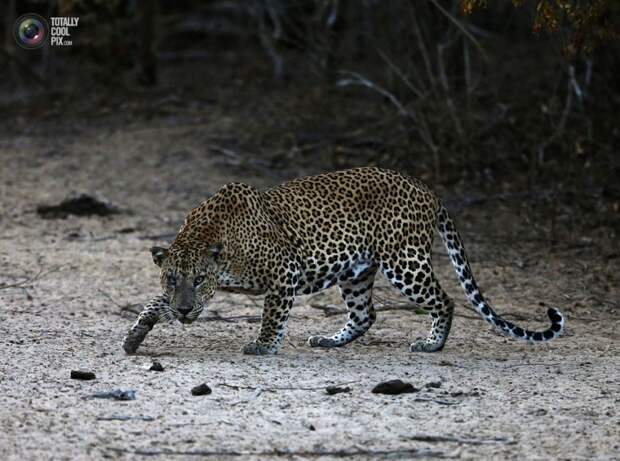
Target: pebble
[(331, 390), (83, 375), (115, 394), (201, 389), (156, 366), (394, 387), (433, 385)]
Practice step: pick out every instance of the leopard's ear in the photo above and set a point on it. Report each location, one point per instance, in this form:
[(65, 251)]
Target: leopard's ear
[(213, 252), (159, 255)]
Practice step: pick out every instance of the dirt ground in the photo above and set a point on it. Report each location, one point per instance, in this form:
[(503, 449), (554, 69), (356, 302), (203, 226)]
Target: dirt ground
[(69, 290)]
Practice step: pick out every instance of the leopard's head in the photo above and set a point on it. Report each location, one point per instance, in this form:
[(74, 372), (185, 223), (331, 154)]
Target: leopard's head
[(189, 277)]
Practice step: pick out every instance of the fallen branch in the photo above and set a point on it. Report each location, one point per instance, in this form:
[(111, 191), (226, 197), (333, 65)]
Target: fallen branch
[(123, 307), (28, 280), (125, 418), (351, 453), (449, 438), (285, 388), (532, 364), (232, 319), (438, 401)]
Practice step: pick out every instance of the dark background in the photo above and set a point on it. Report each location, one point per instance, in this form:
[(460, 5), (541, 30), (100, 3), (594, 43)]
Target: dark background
[(506, 103)]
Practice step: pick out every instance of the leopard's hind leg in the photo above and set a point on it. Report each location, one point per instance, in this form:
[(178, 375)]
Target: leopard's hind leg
[(357, 295), (413, 275)]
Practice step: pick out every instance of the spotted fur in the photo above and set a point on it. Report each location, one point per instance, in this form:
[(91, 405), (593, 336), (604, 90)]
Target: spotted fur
[(312, 233)]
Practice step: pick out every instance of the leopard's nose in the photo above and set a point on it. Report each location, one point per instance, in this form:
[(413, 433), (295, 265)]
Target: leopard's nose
[(184, 310)]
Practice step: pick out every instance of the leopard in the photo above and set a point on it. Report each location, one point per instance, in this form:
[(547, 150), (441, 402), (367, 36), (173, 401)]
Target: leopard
[(312, 233)]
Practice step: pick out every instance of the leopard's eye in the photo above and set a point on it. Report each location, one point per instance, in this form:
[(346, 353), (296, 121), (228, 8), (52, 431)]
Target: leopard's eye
[(198, 280), (172, 279)]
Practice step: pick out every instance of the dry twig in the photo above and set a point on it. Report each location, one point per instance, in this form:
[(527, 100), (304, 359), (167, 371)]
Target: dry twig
[(462, 28), (286, 388), (40, 274), (451, 438), (232, 318), (356, 79), (409, 453), (128, 307)]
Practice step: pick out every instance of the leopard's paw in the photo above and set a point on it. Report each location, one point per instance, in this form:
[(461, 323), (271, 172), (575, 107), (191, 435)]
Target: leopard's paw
[(131, 344), (133, 339), (425, 346), (321, 341), (255, 348)]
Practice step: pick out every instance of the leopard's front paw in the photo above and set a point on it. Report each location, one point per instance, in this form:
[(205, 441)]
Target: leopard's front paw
[(255, 348), (133, 339), (131, 344)]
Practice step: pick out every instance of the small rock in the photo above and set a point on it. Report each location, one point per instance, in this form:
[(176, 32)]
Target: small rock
[(394, 387), (201, 389), (433, 385), (83, 375), (126, 230), (311, 427), (473, 393), (73, 235), (331, 390), (115, 394), (156, 366)]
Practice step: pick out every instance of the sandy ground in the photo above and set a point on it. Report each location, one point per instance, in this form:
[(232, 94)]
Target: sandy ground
[(79, 279)]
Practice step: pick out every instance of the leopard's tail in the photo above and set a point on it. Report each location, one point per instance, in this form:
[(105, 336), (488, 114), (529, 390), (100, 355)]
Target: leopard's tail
[(456, 251)]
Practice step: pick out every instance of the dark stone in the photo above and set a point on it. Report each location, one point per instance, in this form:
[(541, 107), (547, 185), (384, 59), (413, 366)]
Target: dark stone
[(331, 390), (83, 375), (156, 366), (201, 389), (394, 387), (115, 394), (433, 385)]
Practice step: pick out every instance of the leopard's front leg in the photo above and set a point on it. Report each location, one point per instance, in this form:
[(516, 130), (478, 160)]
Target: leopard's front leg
[(155, 310), (277, 307)]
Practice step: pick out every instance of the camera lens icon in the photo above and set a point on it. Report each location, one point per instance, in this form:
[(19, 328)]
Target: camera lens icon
[(30, 31)]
